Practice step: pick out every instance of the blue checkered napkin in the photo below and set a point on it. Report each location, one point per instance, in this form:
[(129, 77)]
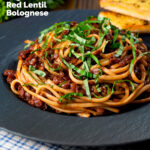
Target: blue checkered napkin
[(10, 141)]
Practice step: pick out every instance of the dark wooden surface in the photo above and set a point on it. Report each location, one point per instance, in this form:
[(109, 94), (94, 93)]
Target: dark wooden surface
[(87, 4), (80, 4)]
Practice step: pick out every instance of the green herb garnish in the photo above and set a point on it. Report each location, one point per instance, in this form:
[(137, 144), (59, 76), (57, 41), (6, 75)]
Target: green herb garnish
[(134, 55), (62, 83), (78, 70), (120, 51), (131, 83), (28, 45), (103, 50), (53, 27), (35, 50), (31, 84), (34, 77), (45, 43), (87, 89), (115, 35), (69, 96), (38, 72)]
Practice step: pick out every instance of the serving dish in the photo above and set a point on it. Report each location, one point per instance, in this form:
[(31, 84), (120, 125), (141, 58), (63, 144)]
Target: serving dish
[(20, 118)]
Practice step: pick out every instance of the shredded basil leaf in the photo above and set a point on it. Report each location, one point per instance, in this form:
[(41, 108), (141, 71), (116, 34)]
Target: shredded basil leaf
[(62, 83), (52, 69), (97, 78), (103, 50), (86, 85), (91, 40), (35, 50), (45, 43), (84, 26), (115, 45), (131, 83), (123, 38), (51, 44), (101, 40), (38, 72), (34, 77), (86, 66), (115, 35), (130, 35), (145, 53), (78, 70), (31, 84), (134, 55), (93, 57), (61, 29), (89, 62), (98, 88), (76, 38), (45, 31), (58, 40), (69, 96), (41, 38), (120, 51), (28, 45), (102, 35), (81, 48), (70, 51), (74, 53)]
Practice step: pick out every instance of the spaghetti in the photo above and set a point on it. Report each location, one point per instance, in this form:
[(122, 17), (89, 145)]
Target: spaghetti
[(83, 68)]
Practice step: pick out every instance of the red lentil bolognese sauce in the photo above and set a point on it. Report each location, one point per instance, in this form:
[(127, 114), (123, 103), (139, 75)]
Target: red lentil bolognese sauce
[(82, 68)]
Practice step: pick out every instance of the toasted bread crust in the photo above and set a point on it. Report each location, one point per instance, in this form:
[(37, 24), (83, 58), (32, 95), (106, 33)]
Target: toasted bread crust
[(135, 8), (127, 22)]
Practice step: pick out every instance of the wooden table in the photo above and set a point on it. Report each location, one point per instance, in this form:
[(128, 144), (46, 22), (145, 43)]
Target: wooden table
[(80, 4)]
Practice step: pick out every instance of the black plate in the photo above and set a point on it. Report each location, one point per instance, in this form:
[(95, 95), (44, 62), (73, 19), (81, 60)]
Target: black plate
[(22, 119)]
